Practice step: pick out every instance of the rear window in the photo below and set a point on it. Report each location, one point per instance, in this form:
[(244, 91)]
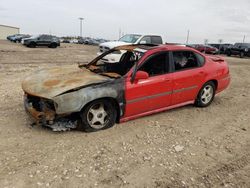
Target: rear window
[(200, 59), (184, 60)]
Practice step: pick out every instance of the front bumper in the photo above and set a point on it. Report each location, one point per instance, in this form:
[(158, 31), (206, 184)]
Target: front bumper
[(42, 111), (38, 109)]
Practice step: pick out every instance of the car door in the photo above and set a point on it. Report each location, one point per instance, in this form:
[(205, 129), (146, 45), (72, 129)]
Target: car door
[(40, 40), (188, 76), (153, 93)]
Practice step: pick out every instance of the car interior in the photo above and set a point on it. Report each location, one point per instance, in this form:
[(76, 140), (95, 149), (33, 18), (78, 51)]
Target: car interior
[(119, 69), (184, 60)]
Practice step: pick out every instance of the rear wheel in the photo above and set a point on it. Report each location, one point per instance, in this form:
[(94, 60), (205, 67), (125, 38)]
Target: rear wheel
[(206, 95), (98, 115)]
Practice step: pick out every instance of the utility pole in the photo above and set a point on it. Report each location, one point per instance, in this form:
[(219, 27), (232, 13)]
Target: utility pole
[(220, 42), (120, 33), (244, 38), (205, 42), (81, 19), (187, 37)]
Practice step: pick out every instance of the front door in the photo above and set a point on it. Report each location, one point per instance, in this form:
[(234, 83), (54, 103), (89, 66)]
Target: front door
[(150, 94)]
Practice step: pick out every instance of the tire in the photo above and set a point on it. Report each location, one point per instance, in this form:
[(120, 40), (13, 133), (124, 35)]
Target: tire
[(98, 115), (206, 95), (242, 54), (53, 45), (229, 53), (32, 45)]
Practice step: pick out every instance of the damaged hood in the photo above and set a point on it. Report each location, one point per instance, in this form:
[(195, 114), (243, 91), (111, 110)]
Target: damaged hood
[(55, 81)]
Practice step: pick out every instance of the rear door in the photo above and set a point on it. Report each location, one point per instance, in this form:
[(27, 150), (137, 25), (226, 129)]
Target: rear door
[(152, 93), (188, 76)]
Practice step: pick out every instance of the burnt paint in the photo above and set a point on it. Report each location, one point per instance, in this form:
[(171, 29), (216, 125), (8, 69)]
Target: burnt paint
[(75, 101)]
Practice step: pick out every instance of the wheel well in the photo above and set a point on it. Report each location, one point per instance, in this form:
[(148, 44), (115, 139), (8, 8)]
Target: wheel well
[(215, 83), (114, 101)]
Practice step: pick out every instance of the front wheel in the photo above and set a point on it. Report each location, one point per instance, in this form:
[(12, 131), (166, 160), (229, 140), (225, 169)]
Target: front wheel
[(206, 95), (98, 115)]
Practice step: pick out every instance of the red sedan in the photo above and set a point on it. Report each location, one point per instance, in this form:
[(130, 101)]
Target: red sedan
[(207, 49), (146, 80)]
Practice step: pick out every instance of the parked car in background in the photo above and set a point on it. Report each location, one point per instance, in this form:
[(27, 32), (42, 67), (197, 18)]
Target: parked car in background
[(81, 41), (9, 37), (19, 38), (224, 47), (221, 47), (13, 37), (91, 41), (42, 40), (125, 40), (239, 49), (65, 41), (147, 79), (205, 48), (74, 41)]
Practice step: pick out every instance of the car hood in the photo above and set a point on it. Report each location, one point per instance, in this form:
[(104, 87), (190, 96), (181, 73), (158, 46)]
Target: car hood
[(114, 44), (55, 81)]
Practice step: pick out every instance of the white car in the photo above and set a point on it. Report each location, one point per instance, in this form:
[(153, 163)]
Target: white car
[(126, 40)]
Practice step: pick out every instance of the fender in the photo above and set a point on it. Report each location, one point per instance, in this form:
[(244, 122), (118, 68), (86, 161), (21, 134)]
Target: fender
[(75, 101)]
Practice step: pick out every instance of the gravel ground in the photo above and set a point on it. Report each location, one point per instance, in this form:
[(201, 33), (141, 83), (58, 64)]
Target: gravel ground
[(185, 147)]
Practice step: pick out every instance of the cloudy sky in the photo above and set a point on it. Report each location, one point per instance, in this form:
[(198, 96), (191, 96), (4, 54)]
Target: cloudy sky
[(206, 19)]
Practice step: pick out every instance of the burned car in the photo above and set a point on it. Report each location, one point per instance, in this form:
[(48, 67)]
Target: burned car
[(146, 80)]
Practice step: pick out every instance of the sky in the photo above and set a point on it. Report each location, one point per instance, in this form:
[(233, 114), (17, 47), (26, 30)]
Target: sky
[(213, 20)]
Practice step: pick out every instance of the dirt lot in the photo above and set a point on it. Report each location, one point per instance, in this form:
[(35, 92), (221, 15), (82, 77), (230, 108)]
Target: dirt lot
[(185, 147)]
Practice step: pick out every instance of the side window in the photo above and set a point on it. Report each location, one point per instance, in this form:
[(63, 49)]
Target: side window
[(200, 59), (156, 65), (41, 37), (156, 40), (185, 60), (146, 40)]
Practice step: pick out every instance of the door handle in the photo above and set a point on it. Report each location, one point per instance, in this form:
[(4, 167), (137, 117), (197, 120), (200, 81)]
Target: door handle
[(167, 80)]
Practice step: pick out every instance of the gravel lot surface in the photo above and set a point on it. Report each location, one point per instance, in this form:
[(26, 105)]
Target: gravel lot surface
[(185, 147)]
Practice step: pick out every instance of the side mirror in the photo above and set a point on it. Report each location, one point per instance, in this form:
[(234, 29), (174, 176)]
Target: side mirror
[(143, 42), (141, 75)]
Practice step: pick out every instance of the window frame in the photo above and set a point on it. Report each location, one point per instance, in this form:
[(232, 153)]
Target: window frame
[(158, 38), (167, 60), (146, 36), (171, 54)]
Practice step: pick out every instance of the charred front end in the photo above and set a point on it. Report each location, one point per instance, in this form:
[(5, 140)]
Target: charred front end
[(42, 110)]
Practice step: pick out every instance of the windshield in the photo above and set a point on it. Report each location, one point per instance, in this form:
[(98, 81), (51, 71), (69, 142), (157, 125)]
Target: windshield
[(130, 38)]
